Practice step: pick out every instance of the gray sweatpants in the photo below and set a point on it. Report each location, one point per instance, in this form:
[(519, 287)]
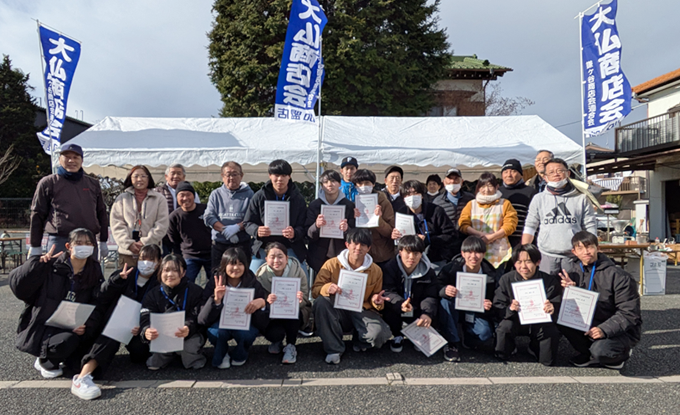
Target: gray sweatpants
[(551, 264), (192, 355), (369, 328)]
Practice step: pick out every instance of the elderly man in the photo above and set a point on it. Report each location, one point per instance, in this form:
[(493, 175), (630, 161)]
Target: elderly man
[(65, 201), (174, 175), (538, 182), (226, 209), (518, 193), (561, 211), (394, 176)]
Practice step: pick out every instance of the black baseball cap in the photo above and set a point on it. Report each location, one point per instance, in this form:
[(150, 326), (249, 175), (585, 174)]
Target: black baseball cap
[(453, 171), (72, 147), (349, 161)]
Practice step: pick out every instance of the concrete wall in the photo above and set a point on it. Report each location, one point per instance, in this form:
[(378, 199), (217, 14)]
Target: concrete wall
[(657, 200), (661, 102)]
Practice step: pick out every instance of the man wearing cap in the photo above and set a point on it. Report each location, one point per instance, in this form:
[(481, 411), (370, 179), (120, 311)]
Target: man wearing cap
[(539, 182), (453, 200), (394, 175), (188, 233), (65, 201), (348, 167), (518, 193), (174, 175)]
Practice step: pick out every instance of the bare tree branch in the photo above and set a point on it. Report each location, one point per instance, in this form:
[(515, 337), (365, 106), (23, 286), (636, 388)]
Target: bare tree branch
[(8, 163), (498, 105)]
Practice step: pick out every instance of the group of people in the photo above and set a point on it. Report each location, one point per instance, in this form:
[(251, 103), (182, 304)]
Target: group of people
[(165, 236)]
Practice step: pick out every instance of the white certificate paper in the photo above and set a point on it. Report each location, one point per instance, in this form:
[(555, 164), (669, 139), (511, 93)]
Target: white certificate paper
[(366, 205), (531, 297), (276, 216), (405, 224), (167, 325), (471, 291), (427, 339), (353, 285), (578, 308), (234, 315), (333, 216), (287, 305), (70, 315), (124, 318)]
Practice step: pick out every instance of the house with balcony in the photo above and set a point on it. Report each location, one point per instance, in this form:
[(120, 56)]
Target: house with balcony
[(652, 146)]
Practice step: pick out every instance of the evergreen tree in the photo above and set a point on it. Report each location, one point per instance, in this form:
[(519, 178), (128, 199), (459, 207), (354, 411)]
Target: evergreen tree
[(17, 117), (382, 57)]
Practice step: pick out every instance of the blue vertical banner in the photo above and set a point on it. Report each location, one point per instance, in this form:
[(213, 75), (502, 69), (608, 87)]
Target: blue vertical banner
[(60, 55), (302, 69), (607, 93)]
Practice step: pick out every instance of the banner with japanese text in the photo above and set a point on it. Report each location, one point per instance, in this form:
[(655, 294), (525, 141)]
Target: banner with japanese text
[(302, 70), (607, 93), (61, 56)]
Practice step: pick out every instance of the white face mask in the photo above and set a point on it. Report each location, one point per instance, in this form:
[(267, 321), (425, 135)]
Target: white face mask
[(413, 201), (82, 251), (557, 185), (452, 188), (146, 267), (364, 190)]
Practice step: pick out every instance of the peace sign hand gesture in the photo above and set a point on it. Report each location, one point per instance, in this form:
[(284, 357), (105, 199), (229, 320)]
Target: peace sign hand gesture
[(125, 272), (220, 289), (566, 281), (50, 255)]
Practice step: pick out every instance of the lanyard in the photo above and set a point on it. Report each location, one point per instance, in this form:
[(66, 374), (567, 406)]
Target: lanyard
[(147, 288), (427, 230), (408, 284), (184, 306), (282, 197), (592, 274)]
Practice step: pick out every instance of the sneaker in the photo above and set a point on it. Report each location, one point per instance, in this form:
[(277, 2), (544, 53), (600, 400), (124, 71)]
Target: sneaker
[(451, 354), (226, 362), (532, 353), (47, 374), (306, 333), (289, 354), (396, 345), (501, 356), (358, 347), (616, 366), (84, 388), (154, 368), (333, 358), (275, 348), (581, 360), (239, 362)]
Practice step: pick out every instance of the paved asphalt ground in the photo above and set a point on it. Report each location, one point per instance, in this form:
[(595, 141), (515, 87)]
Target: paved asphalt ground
[(371, 382)]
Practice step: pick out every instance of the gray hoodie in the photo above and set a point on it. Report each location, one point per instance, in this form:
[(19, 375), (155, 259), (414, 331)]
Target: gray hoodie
[(559, 217), (228, 207)]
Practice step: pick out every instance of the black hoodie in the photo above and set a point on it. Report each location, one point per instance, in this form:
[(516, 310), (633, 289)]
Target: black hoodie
[(447, 276), (156, 301), (504, 295), (254, 218), (440, 231)]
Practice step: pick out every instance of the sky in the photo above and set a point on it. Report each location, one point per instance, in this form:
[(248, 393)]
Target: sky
[(149, 58)]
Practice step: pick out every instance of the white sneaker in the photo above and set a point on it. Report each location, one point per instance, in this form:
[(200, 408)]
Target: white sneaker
[(47, 374), (226, 362), (84, 388), (333, 358), (238, 362), (289, 354), (275, 348)]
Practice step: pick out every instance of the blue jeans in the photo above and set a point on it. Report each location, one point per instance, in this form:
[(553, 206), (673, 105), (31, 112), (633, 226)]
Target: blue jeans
[(477, 333), (194, 267), (220, 339)]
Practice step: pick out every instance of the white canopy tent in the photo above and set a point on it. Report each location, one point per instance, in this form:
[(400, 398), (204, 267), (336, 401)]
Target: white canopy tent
[(421, 145)]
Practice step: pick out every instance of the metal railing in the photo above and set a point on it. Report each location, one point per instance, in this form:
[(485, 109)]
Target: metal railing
[(662, 130), (633, 183)]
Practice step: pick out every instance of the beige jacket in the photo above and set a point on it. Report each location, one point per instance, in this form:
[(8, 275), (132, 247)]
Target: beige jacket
[(154, 219)]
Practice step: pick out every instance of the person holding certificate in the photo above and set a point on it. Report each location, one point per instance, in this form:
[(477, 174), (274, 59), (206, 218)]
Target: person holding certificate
[(432, 224), (369, 329), (175, 293), (382, 246), (279, 188), (233, 273), (42, 283), (331, 199), (544, 337), (280, 265), (478, 325), (410, 286), (617, 323)]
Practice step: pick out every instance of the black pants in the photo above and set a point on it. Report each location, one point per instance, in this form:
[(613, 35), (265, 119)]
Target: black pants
[(58, 348), (544, 339), (605, 351), (391, 314), (104, 350), (278, 329)]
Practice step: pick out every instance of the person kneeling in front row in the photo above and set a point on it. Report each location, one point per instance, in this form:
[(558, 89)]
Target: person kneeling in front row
[(410, 286), (617, 324), (544, 337), (369, 329)]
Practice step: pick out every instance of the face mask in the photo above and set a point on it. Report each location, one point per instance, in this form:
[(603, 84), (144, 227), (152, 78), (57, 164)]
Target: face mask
[(146, 267), (433, 193), (82, 251), (414, 201), (452, 188), (557, 185), (364, 190)]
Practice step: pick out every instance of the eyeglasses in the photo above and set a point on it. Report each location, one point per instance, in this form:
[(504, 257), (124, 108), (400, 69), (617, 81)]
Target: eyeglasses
[(555, 172), (232, 174)]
